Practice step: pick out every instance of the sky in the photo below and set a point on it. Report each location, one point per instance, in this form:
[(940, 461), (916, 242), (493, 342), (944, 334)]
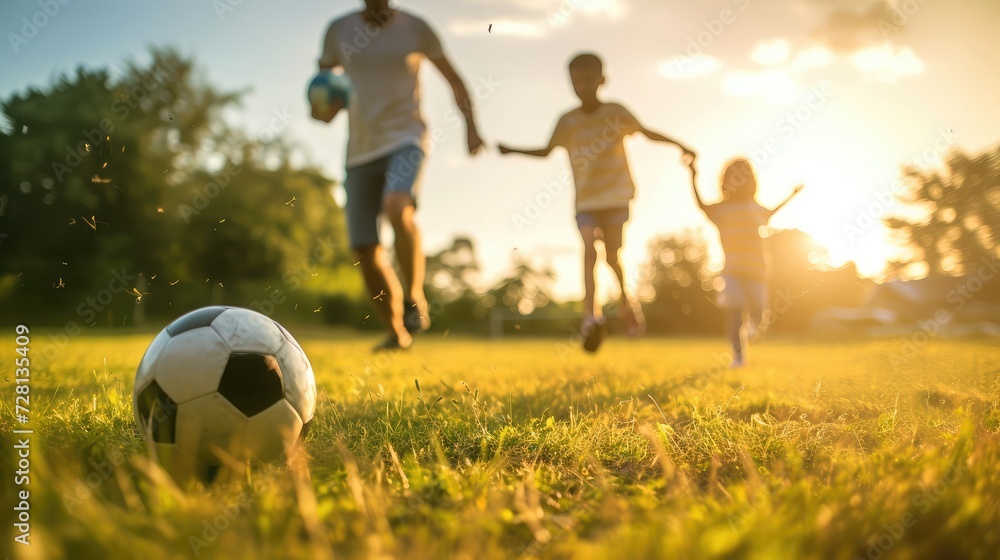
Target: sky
[(836, 95)]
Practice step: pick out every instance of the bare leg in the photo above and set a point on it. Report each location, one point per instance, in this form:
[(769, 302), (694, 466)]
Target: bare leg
[(387, 294), (589, 263), (612, 247), (400, 210), (632, 317), (736, 335)]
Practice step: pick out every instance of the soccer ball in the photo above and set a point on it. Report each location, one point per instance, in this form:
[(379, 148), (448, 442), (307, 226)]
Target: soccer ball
[(220, 386), (327, 87)]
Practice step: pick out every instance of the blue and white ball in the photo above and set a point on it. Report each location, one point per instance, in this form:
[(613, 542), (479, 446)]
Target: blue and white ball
[(328, 87)]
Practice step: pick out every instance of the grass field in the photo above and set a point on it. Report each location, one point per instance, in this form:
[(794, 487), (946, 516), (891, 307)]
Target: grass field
[(513, 449)]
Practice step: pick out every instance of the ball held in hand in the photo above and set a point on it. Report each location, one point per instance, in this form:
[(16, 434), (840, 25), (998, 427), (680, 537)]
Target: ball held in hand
[(328, 87)]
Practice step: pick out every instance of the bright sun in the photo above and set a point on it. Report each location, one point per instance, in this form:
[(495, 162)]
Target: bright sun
[(839, 210)]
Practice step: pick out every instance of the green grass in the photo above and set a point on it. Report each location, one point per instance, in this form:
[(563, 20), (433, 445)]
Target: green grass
[(533, 449)]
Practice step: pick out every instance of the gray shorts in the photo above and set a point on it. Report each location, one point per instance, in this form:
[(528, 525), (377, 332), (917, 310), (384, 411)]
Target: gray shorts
[(743, 293), (608, 219), (367, 184)]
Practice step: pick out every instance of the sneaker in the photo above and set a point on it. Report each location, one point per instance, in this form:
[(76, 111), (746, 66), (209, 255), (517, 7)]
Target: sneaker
[(593, 331), (391, 344), (415, 319)]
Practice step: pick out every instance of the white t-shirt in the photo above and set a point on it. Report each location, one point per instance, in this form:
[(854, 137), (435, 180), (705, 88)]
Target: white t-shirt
[(595, 142), (382, 63)]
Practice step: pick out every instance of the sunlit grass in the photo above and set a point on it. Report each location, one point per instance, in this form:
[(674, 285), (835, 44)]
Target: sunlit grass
[(470, 449)]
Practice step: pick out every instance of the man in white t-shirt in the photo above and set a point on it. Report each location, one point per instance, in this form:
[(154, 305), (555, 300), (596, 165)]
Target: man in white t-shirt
[(593, 134), (381, 49)]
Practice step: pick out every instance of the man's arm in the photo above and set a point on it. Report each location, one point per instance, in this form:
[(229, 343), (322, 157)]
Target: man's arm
[(795, 191), (329, 60), (462, 99)]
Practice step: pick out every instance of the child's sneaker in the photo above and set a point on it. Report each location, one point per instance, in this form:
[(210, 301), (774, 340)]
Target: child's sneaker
[(593, 331)]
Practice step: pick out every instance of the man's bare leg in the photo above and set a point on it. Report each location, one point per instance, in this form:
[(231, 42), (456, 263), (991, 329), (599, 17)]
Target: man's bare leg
[(386, 292), (400, 209)]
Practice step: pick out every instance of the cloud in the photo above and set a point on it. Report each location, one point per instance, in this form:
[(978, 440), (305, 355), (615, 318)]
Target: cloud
[(524, 28), (771, 53), (846, 30), (886, 63), (772, 84), (811, 59), (685, 67), (558, 13)]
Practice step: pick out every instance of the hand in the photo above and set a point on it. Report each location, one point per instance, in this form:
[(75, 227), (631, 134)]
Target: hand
[(475, 142), (797, 189), (504, 149), (326, 114), (688, 157)]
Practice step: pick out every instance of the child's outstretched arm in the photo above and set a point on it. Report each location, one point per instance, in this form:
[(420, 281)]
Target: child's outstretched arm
[(694, 187), (689, 154), (554, 141), (795, 191), (543, 152)]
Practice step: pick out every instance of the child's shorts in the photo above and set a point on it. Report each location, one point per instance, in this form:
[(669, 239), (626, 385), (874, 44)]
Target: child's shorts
[(743, 293), (611, 218)]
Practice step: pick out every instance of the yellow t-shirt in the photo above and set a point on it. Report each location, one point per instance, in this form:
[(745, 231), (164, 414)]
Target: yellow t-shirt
[(739, 226), (595, 142)]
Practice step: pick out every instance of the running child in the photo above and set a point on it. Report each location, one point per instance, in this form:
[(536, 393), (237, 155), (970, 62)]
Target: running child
[(593, 135), (739, 218)]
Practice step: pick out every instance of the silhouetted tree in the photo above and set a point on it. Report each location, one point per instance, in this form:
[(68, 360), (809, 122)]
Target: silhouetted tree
[(676, 287), (952, 217), (451, 272)]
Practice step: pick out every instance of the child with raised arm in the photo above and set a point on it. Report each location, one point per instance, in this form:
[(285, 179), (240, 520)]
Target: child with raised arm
[(593, 134), (739, 218)]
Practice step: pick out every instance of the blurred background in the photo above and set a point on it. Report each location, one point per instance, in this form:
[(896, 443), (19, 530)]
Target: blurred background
[(159, 157)]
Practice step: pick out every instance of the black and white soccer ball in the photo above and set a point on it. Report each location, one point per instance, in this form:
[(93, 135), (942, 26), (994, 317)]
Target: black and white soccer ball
[(220, 386)]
